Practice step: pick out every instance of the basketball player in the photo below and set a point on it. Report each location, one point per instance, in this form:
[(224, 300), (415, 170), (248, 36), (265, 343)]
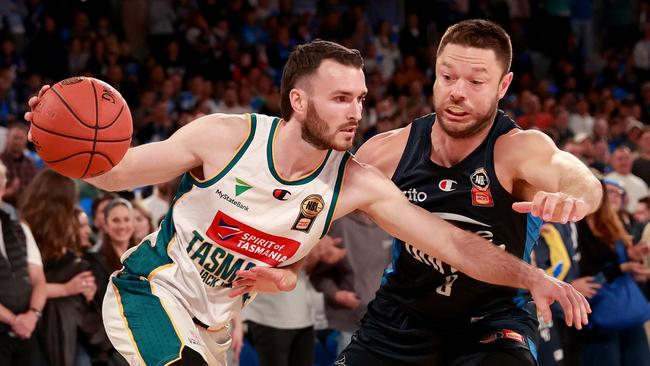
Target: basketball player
[(470, 164), (259, 192)]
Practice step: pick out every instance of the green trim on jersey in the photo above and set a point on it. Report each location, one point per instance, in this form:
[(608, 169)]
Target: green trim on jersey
[(153, 331), (233, 161), (337, 189), (147, 258), (274, 173)]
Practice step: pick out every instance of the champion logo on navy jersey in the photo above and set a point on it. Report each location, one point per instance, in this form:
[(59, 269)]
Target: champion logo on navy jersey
[(281, 194), (447, 185), (227, 231)]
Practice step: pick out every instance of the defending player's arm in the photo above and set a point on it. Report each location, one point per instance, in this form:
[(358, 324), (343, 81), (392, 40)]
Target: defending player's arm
[(366, 188), (560, 187)]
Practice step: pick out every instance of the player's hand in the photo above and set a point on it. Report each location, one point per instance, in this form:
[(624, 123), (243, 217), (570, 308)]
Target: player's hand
[(33, 102), (347, 299), (546, 290), (263, 279), (554, 207), (586, 286)]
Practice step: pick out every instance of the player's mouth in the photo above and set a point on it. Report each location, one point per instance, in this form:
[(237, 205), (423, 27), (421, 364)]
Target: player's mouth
[(349, 130), (456, 111)]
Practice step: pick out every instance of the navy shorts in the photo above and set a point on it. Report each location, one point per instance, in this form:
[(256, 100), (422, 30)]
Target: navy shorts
[(390, 335)]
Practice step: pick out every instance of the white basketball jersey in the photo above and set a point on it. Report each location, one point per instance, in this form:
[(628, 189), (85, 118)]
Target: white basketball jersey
[(245, 216)]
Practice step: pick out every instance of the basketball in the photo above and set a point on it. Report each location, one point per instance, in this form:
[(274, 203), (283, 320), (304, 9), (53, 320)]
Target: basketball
[(81, 127)]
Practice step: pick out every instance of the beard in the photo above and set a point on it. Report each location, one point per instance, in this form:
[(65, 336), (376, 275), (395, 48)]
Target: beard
[(316, 132), (472, 129)]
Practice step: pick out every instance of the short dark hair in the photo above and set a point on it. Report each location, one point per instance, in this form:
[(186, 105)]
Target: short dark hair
[(479, 33), (305, 60)]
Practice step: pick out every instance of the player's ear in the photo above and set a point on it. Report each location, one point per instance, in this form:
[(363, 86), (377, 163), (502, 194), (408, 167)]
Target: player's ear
[(504, 84), (298, 100)]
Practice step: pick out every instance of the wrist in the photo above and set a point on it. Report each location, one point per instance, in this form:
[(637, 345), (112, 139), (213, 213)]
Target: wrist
[(534, 276), (36, 312)]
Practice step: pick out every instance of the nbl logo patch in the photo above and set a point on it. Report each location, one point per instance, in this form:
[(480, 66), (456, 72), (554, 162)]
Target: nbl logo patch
[(481, 195), (309, 210)]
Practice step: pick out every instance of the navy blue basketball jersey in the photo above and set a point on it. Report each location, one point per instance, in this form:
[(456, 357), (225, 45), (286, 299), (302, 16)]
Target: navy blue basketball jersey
[(469, 196)]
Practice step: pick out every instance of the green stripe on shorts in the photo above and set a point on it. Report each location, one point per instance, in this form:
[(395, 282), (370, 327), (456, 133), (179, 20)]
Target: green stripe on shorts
[(149, 323)]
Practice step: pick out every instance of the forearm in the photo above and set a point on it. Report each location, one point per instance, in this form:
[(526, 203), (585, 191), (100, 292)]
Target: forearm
[(6, 315), (55, 290), (39, 296), (581, 183), (486, 262)]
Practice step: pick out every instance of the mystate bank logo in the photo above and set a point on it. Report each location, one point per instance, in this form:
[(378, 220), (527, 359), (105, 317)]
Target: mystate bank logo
[(250, 242)]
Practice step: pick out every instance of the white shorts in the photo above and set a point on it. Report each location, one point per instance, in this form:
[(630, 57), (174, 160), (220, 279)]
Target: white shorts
[(149, 327)]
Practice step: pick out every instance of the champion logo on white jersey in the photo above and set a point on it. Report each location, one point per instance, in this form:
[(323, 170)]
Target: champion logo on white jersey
[(447, 185)]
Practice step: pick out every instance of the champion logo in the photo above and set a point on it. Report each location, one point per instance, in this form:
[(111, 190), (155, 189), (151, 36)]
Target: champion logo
[(281, 194), (447, 185)]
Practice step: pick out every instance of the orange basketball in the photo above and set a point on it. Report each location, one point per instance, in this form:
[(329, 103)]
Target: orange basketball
[(81, 127)]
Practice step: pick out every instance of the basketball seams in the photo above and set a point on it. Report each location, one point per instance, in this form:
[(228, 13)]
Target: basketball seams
[(80, 153), (67, 106), (92, 153), (58, 126), (34, 124)]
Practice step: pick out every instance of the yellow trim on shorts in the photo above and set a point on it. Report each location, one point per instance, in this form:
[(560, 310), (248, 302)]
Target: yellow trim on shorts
[(180, 336), (118, 298)]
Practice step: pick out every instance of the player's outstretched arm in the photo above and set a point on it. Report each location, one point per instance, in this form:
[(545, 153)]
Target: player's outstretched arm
[(217, 136), (367, 189), (556, 184)]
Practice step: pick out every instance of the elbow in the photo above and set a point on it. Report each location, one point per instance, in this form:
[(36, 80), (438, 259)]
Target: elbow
[(597, 195)]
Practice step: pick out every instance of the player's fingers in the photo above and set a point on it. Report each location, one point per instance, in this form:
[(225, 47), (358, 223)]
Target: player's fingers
[(583, 306), (239, 291), (567, 210), (32, 102), (240, 283), (567, 307), (549, 206), (28, 117), (545, 310), (522, 207), (44, 88), (247, 274), (581, 210), (577, 308), (538, 204)]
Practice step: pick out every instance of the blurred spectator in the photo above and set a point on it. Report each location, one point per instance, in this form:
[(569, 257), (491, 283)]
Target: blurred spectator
[(142, 222), (117, 239), (20, 169), (533, 116), (598, 235), (69, 319), (581, 121), (635, 187), (99, 220), (641, 165), (22, 294), (560, 126), (158, 202), (349, 284), (4, 206)]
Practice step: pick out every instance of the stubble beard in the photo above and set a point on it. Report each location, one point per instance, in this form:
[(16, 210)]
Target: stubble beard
[(315, 129), (481, 123)]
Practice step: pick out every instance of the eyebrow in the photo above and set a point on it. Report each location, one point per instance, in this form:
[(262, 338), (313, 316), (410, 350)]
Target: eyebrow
[(481, 69), (347, 93)]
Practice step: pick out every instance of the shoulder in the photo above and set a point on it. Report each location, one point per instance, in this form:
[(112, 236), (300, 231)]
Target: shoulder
[(217, 130), (384, 150), (523, 144)]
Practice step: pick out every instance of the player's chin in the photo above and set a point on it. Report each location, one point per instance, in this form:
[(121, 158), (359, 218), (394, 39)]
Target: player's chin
[(343, 143)]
